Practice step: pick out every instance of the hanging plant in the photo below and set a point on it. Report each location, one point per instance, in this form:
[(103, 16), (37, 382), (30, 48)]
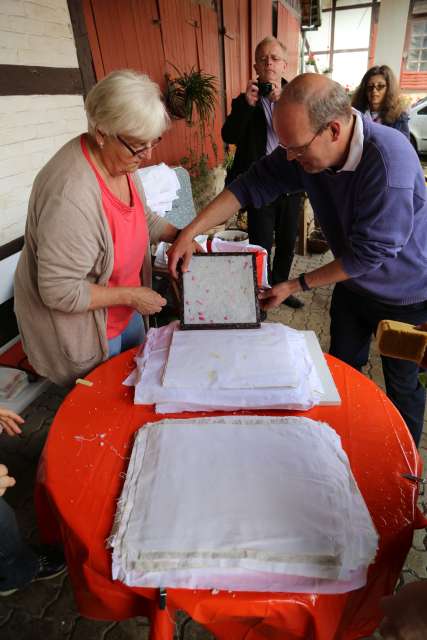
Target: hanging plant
[(190, 93)]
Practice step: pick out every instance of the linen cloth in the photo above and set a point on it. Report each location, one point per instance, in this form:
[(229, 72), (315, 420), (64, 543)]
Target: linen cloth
[(241, 502), (161, 186), (224, 359), (151, 361)]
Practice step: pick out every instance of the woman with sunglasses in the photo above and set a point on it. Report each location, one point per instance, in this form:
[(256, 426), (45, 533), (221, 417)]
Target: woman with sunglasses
[(378, 96), (83, 281)]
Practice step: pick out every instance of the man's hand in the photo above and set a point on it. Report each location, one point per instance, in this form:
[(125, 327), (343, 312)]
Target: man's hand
[(5, 480), (275, 94), (182, 248), (252, 93), (406, 613), (10, 422), (146, 301), (272, 298)]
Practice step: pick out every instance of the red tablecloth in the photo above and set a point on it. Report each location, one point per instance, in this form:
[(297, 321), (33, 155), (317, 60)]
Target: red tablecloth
[(81, 474)]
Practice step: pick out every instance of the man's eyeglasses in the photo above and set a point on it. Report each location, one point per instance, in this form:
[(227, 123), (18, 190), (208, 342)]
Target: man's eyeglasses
[(265, 59), (379, 86), (298, 152), (143, 149)]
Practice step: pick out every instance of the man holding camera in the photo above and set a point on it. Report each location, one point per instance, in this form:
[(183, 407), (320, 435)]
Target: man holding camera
[(249, 127)]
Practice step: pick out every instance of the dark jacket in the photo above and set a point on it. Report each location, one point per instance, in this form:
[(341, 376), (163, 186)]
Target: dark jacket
[(245, 127), (401, 124)]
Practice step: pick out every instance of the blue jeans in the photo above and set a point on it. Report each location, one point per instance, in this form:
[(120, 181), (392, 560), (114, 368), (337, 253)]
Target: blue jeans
[(132, 336), (354, 319), (18, 562)]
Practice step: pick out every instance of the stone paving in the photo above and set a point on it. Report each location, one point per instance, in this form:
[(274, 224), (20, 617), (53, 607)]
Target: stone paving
[(46, 610)]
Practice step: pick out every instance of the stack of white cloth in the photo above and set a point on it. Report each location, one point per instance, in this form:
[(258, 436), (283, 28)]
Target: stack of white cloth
[(251, 503), (223, 370), (161, 186)]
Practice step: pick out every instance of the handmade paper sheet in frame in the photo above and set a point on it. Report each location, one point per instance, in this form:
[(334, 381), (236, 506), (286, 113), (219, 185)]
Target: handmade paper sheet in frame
[(219, 292)]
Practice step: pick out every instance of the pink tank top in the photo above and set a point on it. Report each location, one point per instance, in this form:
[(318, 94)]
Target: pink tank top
[(129, 231)]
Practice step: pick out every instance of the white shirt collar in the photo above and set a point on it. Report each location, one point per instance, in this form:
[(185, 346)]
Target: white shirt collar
[(356, 145)]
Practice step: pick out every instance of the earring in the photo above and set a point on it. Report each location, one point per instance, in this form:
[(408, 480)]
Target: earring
[(101, 144)]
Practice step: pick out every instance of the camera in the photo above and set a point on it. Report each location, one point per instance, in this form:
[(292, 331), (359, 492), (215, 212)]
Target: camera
[(264, 88)]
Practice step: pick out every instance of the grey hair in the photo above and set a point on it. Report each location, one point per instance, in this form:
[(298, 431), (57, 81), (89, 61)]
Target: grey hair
[(323, 104), (128, 103), (270, 40)]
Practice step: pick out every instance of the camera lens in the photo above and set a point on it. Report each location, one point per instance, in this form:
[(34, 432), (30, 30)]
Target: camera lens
[(265, 88)]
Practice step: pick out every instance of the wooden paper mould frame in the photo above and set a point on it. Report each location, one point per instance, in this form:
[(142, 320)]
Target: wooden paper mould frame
[(216, 325)]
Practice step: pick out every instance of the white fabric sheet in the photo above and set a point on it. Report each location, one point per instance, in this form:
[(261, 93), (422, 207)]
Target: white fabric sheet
[(161, 186), (238, 359), (148, 375), (248, 502)]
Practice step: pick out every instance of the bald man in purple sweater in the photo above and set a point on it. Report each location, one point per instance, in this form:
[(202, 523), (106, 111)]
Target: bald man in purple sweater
[(367, 190)]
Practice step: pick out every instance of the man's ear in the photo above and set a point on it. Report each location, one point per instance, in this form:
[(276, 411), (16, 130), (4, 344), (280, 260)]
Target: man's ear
[(335, 127)]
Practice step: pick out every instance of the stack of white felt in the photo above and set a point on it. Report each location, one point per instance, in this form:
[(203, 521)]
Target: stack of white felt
[(265, 368), (161, 186), (251, 503)]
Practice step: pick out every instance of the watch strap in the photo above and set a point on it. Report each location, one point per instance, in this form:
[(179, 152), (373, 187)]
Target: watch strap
[(303, 282)]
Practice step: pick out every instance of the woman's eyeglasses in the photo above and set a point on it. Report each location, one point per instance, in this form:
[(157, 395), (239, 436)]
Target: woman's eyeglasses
[(379, 86), (136, 152)]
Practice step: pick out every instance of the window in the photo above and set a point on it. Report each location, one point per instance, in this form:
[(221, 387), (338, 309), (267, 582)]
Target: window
[(417, 50)]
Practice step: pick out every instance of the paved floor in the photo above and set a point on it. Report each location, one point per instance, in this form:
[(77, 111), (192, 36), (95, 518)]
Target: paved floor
[(47, 610)]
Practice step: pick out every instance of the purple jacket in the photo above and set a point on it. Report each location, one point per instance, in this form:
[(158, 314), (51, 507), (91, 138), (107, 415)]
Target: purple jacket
[(374, 218)]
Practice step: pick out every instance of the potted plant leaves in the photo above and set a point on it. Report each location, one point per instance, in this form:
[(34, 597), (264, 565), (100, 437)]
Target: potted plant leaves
[(190, 93)]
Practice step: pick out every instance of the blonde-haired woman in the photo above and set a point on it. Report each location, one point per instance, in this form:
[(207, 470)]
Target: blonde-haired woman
[(83, 282)]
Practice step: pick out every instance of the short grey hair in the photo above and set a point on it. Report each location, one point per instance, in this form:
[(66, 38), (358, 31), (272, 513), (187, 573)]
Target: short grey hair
[(323, 105), (270, 40), (128, 103)]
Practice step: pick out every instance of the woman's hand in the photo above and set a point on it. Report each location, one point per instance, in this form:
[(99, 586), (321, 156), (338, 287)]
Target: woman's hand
[(146, 301), (10, 422), (5, 480)]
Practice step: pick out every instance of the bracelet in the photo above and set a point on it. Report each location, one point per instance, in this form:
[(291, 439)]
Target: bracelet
[(303, 282)]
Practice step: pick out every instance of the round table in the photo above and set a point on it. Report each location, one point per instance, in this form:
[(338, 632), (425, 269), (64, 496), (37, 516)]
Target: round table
[(81, 475)]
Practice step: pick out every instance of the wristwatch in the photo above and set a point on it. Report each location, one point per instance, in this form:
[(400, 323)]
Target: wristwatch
[(303, 282)]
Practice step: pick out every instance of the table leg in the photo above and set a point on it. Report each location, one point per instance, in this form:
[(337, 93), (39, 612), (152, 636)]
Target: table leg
[(162, 624)]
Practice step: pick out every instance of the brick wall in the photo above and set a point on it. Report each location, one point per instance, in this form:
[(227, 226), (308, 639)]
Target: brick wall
[(33, 127)]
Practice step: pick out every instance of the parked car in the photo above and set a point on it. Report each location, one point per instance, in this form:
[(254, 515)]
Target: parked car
[(418, 125)]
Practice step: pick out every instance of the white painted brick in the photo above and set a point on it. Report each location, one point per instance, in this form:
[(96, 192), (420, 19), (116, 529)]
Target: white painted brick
[(13, 231), (10, 167), (33, 129), (12, 7), (4, 22), (9, 56), (58, 30), (13, 40), (19, 24), (45, 59), (36, 11), (24, 178)]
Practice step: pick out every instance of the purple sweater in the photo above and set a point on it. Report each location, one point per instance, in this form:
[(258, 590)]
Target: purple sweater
[(374, 218)]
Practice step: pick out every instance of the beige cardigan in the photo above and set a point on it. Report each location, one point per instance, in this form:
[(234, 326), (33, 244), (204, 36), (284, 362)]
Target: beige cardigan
[(68, 246)]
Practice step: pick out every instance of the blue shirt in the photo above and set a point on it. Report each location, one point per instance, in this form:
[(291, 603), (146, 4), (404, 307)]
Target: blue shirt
[(374, 217)]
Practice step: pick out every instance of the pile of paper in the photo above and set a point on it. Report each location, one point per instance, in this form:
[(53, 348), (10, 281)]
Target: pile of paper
[(161, 186), (265, 368), (242, 502)]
